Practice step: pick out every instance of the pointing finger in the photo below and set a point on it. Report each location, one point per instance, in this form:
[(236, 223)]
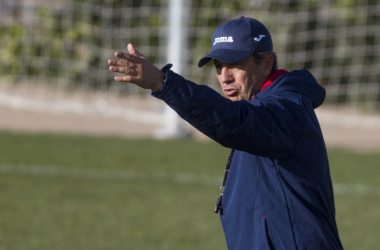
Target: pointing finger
[(120, 63), (131, 79), (123, 70), (128, 57)]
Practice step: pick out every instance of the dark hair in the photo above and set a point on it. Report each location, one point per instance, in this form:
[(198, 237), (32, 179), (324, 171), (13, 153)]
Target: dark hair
[(260, 56)]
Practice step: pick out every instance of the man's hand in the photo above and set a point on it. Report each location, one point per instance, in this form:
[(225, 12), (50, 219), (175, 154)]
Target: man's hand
[(137, 69)]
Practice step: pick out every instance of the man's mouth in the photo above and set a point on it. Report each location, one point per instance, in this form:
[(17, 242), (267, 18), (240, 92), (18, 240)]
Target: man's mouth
[(230, 92)]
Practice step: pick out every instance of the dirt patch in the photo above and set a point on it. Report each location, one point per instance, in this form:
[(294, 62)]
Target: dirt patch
[(336, 134), (343, 128), (34, 121), (54, 112)]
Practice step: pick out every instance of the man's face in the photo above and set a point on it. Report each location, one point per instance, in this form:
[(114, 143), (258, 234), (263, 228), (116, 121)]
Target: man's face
[(239, 81)]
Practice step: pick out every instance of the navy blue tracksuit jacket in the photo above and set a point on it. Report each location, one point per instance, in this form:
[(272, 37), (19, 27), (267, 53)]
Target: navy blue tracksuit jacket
[(278, 193)]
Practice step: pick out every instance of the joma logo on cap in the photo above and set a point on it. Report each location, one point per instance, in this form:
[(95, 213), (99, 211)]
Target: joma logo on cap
[(224, 39), (257, 39)]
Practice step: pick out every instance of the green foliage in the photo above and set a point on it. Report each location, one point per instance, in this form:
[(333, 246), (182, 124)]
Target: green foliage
[(81, 39), (60, 38), (10, 47)]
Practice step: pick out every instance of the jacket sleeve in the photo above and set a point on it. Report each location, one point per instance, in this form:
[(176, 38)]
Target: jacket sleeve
[(267, 127)]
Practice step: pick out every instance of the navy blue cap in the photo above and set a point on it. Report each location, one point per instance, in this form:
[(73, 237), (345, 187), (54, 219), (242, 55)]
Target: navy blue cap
[(237, 39)]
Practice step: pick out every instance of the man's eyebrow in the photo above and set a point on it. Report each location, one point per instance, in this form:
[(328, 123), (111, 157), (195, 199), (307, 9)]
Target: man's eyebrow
[(218, 63)]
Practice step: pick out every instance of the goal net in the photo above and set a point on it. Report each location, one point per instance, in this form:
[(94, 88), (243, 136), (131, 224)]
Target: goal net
[(54, 53)]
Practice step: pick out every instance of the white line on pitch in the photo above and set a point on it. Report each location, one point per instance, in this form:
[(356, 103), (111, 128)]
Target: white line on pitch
[(111, 175), (131, 175)]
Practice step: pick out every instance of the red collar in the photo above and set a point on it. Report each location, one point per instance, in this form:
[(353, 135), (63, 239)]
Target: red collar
[(273, 77)]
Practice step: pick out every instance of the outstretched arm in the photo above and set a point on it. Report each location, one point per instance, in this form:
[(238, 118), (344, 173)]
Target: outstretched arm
[(137, 69)]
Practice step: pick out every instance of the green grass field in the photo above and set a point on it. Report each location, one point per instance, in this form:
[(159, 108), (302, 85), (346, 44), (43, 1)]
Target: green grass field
[(81, 192)]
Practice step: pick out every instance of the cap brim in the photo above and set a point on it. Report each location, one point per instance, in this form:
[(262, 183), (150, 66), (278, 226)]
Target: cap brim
[(224, 55)]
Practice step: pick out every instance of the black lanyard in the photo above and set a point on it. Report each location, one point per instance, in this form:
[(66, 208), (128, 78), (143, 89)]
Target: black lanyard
[(218, 205)]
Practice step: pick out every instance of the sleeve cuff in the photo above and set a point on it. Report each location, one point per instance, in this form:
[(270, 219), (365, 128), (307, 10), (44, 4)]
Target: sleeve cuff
[(165, 69)]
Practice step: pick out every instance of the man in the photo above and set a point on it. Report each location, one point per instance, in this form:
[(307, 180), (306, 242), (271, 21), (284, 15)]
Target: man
[(278, 192)]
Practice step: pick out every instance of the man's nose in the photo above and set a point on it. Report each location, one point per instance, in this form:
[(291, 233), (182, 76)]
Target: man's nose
[(226, 75)]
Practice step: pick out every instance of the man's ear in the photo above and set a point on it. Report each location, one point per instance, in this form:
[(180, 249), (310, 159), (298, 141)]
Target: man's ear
[(268, 64)]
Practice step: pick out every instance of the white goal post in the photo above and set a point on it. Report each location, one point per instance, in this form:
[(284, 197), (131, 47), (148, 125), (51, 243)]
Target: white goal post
[(175, 53)]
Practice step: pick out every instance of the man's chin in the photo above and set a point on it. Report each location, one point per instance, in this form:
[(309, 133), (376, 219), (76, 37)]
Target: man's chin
[(235, 98)]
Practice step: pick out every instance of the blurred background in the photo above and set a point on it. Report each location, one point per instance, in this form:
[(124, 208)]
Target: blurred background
[(74, 142)]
